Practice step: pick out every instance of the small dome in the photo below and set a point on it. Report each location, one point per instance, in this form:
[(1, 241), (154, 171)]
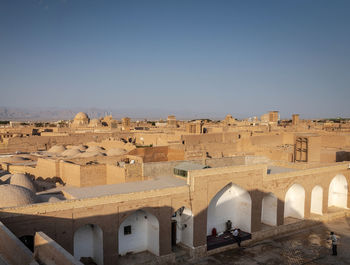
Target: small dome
[(95, 123), (95, 148), (79, 147), (71, 153), (12, 196), (92, 154), (13, 159), (23, 181), (57, 149), (116, 152), (81, 116)]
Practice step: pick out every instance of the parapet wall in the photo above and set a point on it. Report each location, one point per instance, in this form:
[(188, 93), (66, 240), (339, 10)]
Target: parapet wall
[(13, 250), (47, 251)]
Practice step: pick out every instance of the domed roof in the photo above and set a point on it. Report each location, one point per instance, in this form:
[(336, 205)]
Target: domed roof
[(71, 152), (116, 152), (95, 148), (79, 147), (57, 149), (12, 196), (95, 123), (81, 116), (13, 159), (92, 154), (22, 180)]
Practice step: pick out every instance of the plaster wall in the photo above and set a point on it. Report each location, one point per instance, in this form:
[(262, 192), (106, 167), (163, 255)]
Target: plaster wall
[(338, 192), (269, 210), (316, 200), (231, 203), (294, 202), (144, 234), (184, 229), (88, 242)]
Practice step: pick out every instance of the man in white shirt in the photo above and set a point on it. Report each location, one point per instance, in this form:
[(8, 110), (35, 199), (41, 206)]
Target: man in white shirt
[(236, 236), (334, 239)]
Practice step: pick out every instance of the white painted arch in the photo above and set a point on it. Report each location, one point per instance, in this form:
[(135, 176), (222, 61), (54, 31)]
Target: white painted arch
[(269, 210), (230, 203), (317, 200), (144, 234), (294, 202), (184, 226), (338, 192), (88, 242)]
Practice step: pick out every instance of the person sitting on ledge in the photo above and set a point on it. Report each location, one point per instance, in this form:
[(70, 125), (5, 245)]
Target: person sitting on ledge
[(236, 236)]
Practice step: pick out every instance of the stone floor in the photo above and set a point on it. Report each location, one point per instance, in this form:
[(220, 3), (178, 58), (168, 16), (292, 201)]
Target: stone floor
[(309, 246)]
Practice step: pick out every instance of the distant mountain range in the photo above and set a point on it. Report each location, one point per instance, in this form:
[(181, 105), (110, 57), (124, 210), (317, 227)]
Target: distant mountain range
[(54, 114)]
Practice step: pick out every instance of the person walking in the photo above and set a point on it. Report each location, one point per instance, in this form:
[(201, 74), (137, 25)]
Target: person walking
[(334, 240)]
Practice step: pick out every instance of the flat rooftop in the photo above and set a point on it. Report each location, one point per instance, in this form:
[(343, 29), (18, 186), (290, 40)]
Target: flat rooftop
[(124, 188)]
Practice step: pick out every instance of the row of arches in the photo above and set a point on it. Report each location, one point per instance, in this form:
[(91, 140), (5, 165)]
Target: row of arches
[(137, 233), (140, 230), (234, 203)]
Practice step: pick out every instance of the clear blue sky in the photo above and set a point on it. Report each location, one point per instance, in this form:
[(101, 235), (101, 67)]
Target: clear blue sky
[(240, 57)]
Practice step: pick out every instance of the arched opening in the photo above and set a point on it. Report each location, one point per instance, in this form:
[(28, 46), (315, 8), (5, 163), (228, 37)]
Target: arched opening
[(269, 210), (28, 241), (88, 244), (294, 202), (338, 192), (316, 200), (139, 232), (232, 203), (182, 227)]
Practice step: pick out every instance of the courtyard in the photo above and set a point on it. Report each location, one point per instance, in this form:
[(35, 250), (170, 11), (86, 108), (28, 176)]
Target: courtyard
[(309, 246)]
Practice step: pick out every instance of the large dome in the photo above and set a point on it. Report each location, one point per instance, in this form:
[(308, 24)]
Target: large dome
[(23, 181), (81, 119), (81, 116), (12, 196)]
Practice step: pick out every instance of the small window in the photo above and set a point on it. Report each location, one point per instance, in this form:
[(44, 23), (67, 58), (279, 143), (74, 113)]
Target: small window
[(127, 230)]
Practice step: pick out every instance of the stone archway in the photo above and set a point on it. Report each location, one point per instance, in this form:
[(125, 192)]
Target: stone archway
[(338, 192), (183, 219), (269, 210), (139, 232), (316, 200), (88, 243), (230, 203), (294, 203)]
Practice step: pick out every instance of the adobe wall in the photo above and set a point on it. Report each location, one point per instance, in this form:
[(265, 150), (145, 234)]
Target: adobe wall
[(336, 141), (47, 168), (70, 173), (115, 174), (93, 175)]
